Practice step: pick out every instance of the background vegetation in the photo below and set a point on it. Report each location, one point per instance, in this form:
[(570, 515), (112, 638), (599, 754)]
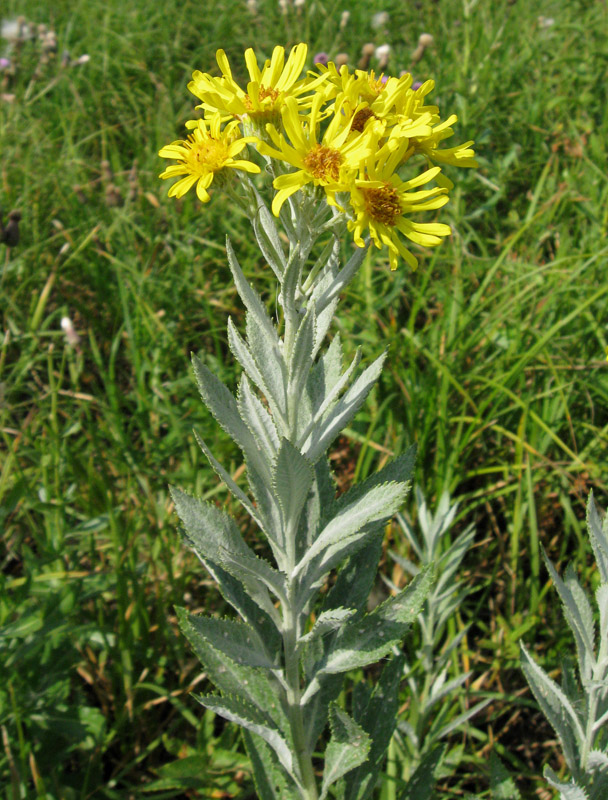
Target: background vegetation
[(496, 370)]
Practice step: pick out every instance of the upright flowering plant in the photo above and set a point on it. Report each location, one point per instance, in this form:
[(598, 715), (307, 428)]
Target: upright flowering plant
[(336, 147)]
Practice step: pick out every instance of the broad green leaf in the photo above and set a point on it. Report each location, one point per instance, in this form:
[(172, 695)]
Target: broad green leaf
[(236, 639), (292, 477), (223, 406), (345, 409), (556, 707), (502, 785), (247, 716), (348, 747), (327, 622)]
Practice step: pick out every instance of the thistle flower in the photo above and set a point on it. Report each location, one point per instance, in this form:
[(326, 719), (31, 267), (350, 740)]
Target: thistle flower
[(207, 151), (321, 58)]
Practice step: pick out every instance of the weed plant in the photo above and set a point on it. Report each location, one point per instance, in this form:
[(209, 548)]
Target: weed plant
[(497, 368)]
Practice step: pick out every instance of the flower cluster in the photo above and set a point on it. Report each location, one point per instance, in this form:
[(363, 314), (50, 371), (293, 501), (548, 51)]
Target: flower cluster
[(347, 136)]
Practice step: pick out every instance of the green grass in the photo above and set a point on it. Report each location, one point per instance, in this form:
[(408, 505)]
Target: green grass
[(496, 367)]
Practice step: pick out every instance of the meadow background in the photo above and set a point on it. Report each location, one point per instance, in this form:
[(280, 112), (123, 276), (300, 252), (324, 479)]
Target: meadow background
[(496, 370)]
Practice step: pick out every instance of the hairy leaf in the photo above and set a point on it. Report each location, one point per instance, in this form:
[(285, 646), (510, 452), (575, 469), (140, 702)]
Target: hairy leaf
[(348, 747)]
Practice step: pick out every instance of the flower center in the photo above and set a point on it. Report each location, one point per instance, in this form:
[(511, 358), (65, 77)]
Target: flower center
[(208, 155), (383, 204), (361, 118), (262, 108), (324, 163)]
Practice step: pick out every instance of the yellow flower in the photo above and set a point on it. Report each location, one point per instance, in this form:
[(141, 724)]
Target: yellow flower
[(330, 163), (206, 151), (266, 91), (380, 201)]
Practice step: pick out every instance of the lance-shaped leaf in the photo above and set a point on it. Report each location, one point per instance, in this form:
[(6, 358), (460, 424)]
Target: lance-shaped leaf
[(598, 533), (378, 718), (345, 409), (271, 780), (320, 498), (258, 420), (364, 641), (247, 716), (328, 621), (302, 354), (356, 578), (230, 483), (601, 598), (254, 686), (325, 294), (579, 616), (349, 525), (267, 236), (269, 509), (237, 640), (556, 707), (214, 536), (567, 791), (348, 747), (248, 295), (244, 356), (292, 477), (222, 405)]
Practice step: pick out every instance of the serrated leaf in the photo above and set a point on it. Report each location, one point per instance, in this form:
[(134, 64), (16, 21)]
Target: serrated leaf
[(256, 687), (502, 785), (328, 621), (556, 707), (247, 294), (292, 477), (320, 497), (369, 639), (356, 578), (579, 617), (325, 294), (258, 420), (267, 236), (348, 747), (350, 522), (301, 354), (247, 716), (271, 780), (567, 791), (222, 405), (236, 639), (345, 409)]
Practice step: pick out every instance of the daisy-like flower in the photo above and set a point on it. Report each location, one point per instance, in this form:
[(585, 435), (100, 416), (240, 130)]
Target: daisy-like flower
[(380, 201), (331, 163), (207, 151), (266, 91)]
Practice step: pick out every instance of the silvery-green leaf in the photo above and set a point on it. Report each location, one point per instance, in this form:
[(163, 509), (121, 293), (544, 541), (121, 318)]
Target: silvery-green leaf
[(223, 406), (567, 791), (502, 785), (317, 708), (356, 577), (270, 511), (226, 478), (324, 295), (258, 420), (422, 783), (348, 747), (267, 236), (378, 504), (214, 536), (301, 358), (597, 760), (579, 616), (247, 716), (268, 356), (556, 707), (236, 639), (345, 409), (378, 718), (326, 372), (292, 477), (320, 498), (271, 780), (244, 356), (601, 597), (254, 686), (327, 622), (598, 533), (249, 297), (361, 642)]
